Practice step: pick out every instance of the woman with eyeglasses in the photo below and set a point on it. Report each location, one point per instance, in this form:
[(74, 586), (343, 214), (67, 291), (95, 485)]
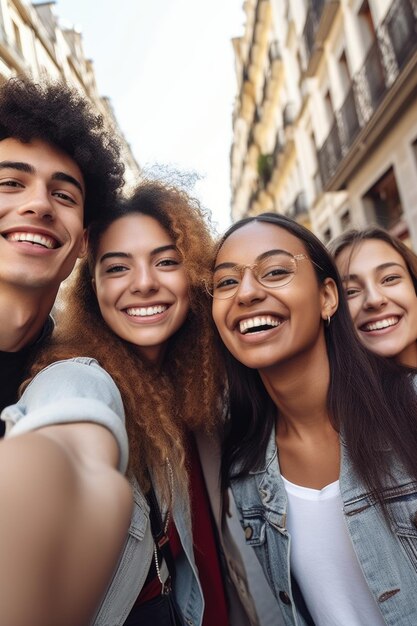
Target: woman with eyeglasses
[(379, 274), (320, 445)]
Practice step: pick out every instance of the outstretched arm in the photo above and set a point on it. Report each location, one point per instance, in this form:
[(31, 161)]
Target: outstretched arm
[(63, 521), (65, 509)]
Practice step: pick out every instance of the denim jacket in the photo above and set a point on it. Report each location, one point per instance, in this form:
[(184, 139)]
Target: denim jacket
[(137, 556), (78, 389), (136, 559), (388, 556)]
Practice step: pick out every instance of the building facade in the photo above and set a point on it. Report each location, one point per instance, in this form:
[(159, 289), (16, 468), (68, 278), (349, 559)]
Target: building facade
[(33, 41), (325, 125)]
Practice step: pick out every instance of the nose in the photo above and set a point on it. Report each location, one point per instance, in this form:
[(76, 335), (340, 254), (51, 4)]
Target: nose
[(38, 203), (249, 290), (144, 281), (374, 297)]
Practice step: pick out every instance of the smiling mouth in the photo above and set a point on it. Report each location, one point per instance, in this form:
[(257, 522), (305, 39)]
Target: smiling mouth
[(380, 324), (146, 311), (258, 324), (36, 239)]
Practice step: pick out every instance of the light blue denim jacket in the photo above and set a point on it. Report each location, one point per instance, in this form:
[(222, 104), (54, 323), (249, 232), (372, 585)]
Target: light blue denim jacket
[(75, 390), (136, 559), (388, 557), (68, 391)]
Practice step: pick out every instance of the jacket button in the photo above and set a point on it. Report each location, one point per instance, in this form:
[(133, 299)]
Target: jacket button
[(248, 532), (284, 597)]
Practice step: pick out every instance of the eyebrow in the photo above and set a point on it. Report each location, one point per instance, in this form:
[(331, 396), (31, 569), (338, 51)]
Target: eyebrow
[(383, 266), (127, 255), (29, 169), (66, 178), (17, 165), (261, 257)]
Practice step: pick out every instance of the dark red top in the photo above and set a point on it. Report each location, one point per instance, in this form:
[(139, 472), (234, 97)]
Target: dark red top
[(154, 588), (205, 547)]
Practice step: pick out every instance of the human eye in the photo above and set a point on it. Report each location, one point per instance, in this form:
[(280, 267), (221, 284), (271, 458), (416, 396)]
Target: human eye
[(64, 197), (9, 182), (276, 270), (168, 262), (351, 291), (391, 279), (225, 283), (116, 269)]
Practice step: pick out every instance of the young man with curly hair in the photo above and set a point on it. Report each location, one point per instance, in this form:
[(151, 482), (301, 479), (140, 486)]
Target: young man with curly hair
[(65, 508)]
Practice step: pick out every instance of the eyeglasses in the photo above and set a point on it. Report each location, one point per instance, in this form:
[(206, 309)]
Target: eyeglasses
[(275, 271)]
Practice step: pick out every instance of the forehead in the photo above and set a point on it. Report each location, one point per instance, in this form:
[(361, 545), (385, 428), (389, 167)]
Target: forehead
[(367, 255), (255, 238), (135, 232), (43, 156)]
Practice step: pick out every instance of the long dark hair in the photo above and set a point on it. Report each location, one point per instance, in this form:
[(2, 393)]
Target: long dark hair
[(370, 400)]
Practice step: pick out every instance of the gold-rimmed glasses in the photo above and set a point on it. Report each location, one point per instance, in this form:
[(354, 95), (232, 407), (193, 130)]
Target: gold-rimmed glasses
[(272, 271)]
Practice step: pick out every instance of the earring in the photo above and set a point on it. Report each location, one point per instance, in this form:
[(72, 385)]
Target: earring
[(327, 322)]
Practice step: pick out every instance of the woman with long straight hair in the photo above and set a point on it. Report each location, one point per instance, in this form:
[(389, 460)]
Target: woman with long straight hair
[(379, 274), (320, 446)]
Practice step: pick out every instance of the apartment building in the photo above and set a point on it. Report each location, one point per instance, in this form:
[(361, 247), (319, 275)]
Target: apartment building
[(325, 125), (34, 41)]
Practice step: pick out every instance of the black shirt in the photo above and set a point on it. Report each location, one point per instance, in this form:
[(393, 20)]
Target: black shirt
[(14, 367)]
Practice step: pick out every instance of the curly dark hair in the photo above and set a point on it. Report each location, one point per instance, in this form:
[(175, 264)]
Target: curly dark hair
[(60, 115)]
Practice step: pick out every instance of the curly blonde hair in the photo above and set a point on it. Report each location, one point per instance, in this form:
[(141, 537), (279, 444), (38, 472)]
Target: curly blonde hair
[(186, 393)]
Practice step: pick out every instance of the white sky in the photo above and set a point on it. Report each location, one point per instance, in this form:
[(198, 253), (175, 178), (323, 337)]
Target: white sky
[(168, 68)]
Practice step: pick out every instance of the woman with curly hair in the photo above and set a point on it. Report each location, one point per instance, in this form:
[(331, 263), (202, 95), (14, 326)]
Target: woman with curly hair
[(138, 307), (379, 274)]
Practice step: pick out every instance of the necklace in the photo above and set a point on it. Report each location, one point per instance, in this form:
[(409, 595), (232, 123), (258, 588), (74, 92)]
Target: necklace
[(166, 585)]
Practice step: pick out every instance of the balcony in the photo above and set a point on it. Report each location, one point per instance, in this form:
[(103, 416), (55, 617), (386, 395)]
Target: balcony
[(275, 53), (348, 121), (386, 82), (369, 84), (265, 169), (300, 208), (319, 20), (289, 114), (259, 33), (330, 154)]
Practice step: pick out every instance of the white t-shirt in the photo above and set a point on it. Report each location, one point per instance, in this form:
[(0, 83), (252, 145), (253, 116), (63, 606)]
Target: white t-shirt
[(323, 560)]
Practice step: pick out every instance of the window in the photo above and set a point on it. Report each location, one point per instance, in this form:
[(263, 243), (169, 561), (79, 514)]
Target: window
[(327, 235), (17, 38), (345, 220), (382, 202)]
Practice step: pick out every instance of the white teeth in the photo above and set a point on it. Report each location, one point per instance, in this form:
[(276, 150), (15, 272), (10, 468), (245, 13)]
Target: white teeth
[(380, 324), (42, 240), (254, 322), (146, 311)]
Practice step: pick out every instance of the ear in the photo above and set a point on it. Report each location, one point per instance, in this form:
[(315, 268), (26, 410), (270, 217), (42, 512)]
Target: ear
[(83, 247), (93, 283), (329, 298)]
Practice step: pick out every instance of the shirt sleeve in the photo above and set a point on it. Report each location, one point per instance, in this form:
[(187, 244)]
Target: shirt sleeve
[(70, 391)]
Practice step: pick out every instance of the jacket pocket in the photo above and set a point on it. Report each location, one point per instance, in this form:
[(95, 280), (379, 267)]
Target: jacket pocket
[(254, 528), (401, 504)]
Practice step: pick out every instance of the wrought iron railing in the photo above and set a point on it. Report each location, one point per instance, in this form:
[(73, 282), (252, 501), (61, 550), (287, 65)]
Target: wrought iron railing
[(396, 41), (348, 121), (315, 10), (330, 154)]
